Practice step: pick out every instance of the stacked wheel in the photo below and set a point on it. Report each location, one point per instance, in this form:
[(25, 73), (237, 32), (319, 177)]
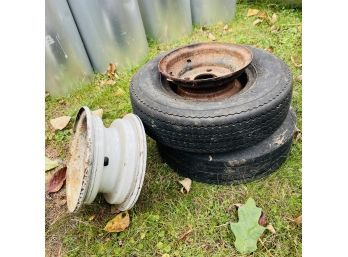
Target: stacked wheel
[(233, 139)]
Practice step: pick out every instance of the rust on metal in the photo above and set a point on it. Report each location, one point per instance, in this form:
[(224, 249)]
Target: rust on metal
[(219, 93), (205, 65)]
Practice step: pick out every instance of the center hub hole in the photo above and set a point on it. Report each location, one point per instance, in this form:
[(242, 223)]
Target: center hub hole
[(205, 76)]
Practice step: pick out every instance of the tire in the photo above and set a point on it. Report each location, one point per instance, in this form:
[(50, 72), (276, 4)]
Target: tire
[(230, 124), (235, 167)]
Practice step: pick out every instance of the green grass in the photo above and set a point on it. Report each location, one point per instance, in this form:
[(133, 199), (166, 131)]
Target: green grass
[(162, 213)]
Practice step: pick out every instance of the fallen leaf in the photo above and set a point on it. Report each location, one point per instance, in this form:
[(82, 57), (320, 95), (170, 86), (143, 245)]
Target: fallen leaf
[(91, 218), (60, 122), (119, 223), (98, 112), (271, 228), (252, 12), (61, 202), (114, 209), (186, 183), (298, 220), (184, 235), (50, 164), (257, 21), (247, 230), (263, 220), (297, 134), (165, 255), (262, 15), (47, 94), (226, 27), (294, 63), (211, 36), (57, 181), (274, 18), (111, 71)]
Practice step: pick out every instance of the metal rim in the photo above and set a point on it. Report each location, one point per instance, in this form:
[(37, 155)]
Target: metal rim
[(205, 65), (78, 174)]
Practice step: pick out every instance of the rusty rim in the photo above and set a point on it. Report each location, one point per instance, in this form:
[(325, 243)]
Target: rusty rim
[(205, 65), (220, 93)]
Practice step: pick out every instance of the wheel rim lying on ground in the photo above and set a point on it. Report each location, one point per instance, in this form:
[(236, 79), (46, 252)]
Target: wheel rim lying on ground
[(107, 160), (237, 167), (231, 123)]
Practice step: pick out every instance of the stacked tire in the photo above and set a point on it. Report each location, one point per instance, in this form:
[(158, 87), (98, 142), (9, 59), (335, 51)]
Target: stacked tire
[(238, 139)]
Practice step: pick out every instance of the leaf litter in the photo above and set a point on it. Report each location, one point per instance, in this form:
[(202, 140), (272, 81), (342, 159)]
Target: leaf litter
[(186, 185), (249, 212), (56, 181), (51, 164), (247, 230), (60, 122), (119, 223)]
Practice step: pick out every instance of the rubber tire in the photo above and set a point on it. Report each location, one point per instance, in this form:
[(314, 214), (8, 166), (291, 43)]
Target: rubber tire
[(234, 123), (235, 167)]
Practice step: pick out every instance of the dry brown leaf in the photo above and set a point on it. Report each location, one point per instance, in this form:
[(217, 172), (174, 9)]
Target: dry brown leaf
[(61, 202), (98, 112), (257, 21), (297, 134), (111, 71), (186, 183), (226, 27), (294, 62), (252, 12), (262, 15), (263, 219), (274, 18), (298, 220), (184, 235), (56, 182), (271, 228), (60, 122), (211, 36), (51, 164), (119, 223)]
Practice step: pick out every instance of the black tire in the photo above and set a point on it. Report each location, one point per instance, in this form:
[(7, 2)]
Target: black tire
[(234, 123), (235, 167)]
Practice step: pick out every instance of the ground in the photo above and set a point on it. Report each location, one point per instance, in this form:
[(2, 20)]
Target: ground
[(162, 213)]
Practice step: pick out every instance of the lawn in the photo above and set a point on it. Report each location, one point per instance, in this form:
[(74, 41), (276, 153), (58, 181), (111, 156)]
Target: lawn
[(162, 213)]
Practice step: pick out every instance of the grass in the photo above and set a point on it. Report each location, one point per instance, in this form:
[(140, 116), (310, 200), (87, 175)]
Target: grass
[(162, 213)]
